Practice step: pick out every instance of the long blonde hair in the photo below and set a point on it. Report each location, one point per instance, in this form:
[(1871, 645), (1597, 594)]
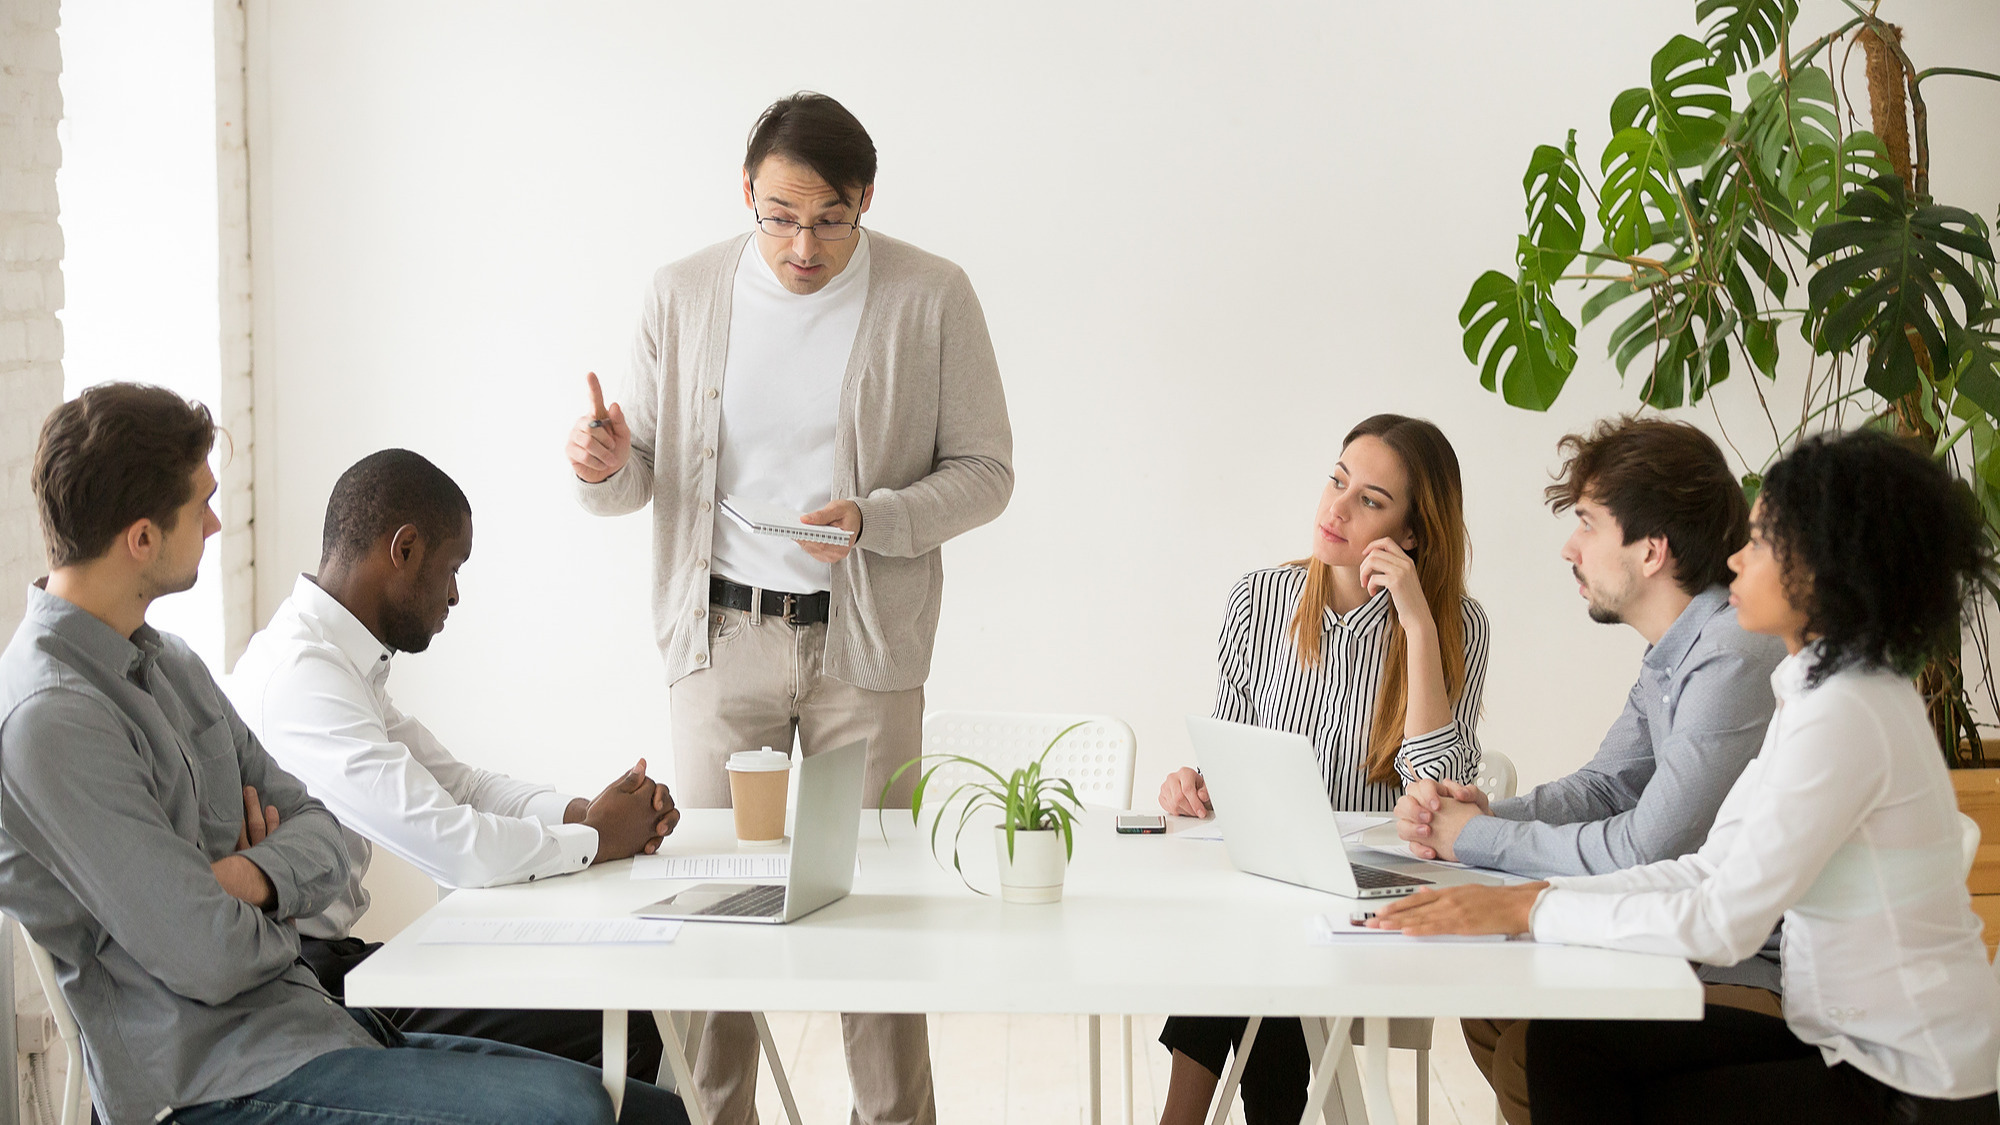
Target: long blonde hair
[(1437, 523)]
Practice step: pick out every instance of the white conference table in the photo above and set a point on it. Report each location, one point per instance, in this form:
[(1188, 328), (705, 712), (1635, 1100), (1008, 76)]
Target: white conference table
[(1146, 924)]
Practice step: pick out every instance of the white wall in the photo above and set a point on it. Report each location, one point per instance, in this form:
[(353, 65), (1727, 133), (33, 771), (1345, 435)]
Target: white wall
[(139, 214), (1208, 238)]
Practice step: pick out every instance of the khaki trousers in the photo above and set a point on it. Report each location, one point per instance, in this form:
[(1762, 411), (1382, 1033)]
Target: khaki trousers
[(763, 685), (1499, 1047)]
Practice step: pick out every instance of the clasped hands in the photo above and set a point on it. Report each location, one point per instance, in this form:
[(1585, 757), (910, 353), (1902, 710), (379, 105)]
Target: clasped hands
[(1429, 817), (632, 815)]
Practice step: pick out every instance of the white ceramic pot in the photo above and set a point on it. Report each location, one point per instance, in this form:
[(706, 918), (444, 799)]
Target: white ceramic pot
[(1035, 874)]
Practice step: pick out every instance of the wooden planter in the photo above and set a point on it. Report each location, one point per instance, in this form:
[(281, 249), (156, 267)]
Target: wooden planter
[(1979, 798)]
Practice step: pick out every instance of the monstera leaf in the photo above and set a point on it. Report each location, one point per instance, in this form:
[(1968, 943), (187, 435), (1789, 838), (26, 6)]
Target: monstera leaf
[(1975, 360), (1687, 105), (1637, 206), (1896, 254), (1683, 334), (1747, 31), (1529, 347), (1555, 214)]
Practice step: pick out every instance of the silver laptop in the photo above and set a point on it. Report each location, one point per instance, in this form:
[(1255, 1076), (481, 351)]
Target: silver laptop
[(1278, 822), (824, 837)]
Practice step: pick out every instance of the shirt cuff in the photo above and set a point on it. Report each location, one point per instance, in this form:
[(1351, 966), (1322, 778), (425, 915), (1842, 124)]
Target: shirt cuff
[(1425, 750), (1569, 917), (277, 868), (548, 808), (577, 843), (1478, 843)]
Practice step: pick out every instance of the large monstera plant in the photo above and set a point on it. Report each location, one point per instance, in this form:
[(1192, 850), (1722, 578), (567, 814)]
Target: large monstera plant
[(1733, 175)]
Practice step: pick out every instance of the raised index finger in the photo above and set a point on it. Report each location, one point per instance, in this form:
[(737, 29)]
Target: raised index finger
[(597, 410)]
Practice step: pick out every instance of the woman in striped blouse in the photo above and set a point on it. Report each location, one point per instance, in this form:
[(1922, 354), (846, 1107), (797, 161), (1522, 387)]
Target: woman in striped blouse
[(1347, 648)]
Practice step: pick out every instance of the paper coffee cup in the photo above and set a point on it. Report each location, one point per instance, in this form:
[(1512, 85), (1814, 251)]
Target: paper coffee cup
[(758, 780)]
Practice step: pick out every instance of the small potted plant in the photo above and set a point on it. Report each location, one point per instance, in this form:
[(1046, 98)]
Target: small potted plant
[(1037, 830)]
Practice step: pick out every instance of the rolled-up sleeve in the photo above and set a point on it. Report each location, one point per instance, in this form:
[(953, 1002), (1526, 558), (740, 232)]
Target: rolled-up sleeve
[(1451, 752)]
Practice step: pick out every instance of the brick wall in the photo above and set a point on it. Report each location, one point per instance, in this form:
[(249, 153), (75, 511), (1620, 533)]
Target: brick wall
[(31, 286), (31, 352)]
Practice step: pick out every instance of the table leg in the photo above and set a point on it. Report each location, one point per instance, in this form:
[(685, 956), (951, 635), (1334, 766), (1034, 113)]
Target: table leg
[(1330, 1057), (1220, 1112), (1375, 1070), (614, 1059), (1125, 1063), (777, 1066), (1096, 1032), (677, 1056)]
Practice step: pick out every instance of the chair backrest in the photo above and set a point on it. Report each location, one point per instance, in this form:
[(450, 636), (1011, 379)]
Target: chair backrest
[(1496, 777), (1968, 842), (1096, 758), (65, 1020)]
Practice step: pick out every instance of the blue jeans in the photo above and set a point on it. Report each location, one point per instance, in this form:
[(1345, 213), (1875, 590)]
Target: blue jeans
[(439, 1080)]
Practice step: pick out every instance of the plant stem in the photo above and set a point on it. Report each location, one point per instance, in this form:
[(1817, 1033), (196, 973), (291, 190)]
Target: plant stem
[(1814, 47), (1960, 70)]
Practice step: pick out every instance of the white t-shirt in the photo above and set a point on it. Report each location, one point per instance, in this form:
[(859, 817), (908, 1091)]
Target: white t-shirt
[(788, 355)]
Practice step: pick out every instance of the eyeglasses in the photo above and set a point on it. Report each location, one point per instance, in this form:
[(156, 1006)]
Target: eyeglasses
[(825, 232)]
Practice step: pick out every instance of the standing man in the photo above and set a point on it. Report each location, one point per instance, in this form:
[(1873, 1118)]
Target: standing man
[(1658, 513), (846, 375)]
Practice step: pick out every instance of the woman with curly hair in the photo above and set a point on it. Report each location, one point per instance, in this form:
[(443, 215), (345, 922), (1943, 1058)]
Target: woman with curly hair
[(1861, 553)]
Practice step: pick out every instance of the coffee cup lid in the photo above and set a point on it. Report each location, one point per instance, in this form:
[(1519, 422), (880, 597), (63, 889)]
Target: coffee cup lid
[(757, 761)]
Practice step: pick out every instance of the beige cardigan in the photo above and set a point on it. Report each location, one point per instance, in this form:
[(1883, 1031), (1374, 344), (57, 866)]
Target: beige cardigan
[(922, 446)]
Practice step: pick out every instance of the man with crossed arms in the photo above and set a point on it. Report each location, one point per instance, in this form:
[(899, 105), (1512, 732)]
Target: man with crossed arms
[(1658, 514)]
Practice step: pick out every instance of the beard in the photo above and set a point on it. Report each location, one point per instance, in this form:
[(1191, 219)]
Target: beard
[(404, 629), (1600, 612)]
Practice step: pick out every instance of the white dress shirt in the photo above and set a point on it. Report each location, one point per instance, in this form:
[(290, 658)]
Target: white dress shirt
[(314, 687), (1845, 824), (781, 387)]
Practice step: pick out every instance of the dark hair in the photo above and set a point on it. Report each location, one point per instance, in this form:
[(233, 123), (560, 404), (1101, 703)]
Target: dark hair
[(818, 132), (1659, 478), (1877, 544), (114, 455), (382, 492)]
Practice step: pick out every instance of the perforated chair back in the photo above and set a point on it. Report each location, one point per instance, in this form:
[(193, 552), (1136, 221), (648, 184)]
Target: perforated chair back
[(1496, 777), (1096, 758), (1968, 841), (45, 972)]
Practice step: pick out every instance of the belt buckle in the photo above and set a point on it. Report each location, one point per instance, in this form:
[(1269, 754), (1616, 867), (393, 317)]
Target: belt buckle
[(791, 609)]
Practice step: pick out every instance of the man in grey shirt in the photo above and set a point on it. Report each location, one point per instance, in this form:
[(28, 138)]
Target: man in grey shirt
[(150, 845), (1658, 515)]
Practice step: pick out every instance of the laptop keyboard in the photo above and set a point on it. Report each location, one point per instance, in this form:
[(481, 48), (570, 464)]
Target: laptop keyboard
[(755, 902), (1370, 878)]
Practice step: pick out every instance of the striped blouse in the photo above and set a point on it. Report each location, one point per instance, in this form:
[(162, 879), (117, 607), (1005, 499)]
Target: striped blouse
[(1262, 682)]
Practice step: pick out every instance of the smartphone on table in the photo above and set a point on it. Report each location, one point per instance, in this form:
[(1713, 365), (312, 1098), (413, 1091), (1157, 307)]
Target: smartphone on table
[(1139, 824)]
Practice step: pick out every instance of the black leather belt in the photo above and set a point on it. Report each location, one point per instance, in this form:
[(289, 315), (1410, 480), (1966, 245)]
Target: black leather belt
[(792, 609)]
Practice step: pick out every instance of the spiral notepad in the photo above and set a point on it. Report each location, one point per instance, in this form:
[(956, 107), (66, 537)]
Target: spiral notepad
[(760, 518)]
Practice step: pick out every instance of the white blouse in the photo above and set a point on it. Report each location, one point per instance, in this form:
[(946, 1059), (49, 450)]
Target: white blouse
[(1845, 824)]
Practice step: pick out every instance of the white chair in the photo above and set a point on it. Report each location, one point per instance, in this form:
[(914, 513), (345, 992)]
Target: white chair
[(45, 971), (1096, 759)]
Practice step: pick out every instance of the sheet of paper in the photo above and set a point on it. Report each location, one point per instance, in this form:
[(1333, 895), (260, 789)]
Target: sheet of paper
[(726, 867), (1338, 930), (1354, 823), (548, 931)]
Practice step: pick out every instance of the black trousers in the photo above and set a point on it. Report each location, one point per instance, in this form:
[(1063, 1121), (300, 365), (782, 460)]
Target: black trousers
[(1276, 1077), (567, 1034), (1733, 1066)]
